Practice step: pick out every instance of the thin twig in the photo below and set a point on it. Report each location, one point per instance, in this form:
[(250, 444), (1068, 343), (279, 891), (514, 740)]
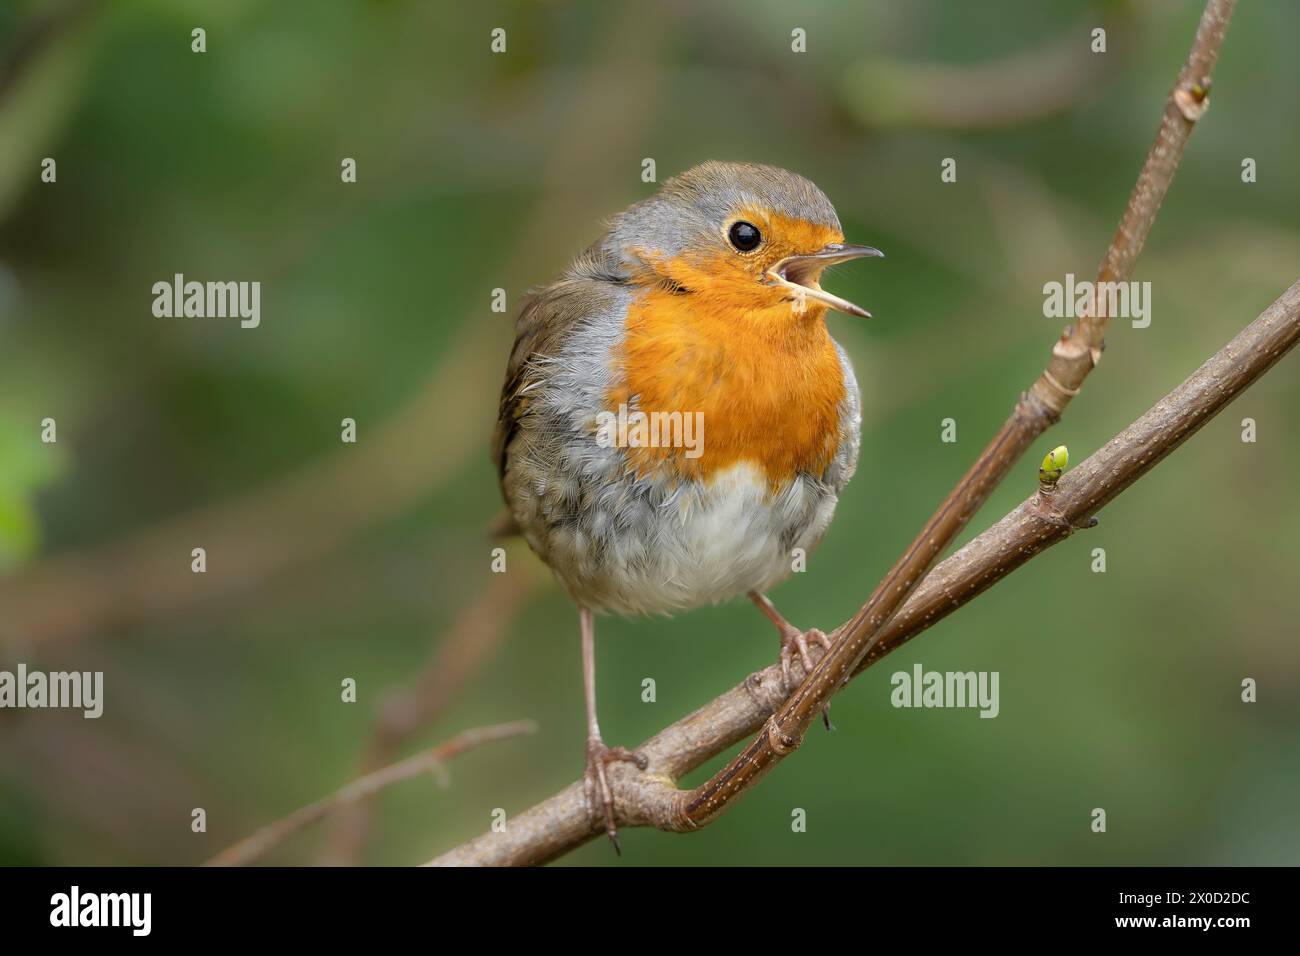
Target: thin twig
[(468, 645), (564, 821), (428, 761)]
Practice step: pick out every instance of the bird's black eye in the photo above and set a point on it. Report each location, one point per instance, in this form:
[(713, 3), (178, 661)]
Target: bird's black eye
[(745, 236)]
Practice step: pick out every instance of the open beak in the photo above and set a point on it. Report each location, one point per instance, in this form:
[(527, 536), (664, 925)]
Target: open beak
[(800, 274)]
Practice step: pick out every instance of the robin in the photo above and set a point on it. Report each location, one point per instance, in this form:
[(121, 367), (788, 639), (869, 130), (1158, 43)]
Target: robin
[(676, 419)]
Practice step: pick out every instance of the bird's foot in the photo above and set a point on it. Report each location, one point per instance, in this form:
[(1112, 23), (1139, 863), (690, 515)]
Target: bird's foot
[(596, 781), (795, 641)]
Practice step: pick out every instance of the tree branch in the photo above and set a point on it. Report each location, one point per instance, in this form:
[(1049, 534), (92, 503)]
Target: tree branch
[(428, 761), (1072, 359), (564, 821)]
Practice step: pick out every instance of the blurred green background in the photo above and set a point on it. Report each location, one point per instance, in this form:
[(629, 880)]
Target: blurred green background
[(478, 171)]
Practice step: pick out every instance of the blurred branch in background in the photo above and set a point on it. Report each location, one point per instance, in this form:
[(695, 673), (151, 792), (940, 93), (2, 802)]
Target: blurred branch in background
[(306, 514), (364, 788), (565, 821), (264, 531), (37, 36), (462, 652), (42, 78), (884, 93)]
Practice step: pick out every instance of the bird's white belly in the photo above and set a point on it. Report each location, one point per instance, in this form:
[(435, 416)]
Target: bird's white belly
[(701, 543)]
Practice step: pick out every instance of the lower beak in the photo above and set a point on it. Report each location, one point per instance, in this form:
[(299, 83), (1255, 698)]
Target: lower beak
[(800, 274)]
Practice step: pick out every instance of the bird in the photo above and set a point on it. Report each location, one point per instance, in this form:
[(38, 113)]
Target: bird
[(676, 421)]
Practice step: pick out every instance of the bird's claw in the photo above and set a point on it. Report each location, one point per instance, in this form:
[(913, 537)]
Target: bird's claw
[(794, 641), (596, 781)]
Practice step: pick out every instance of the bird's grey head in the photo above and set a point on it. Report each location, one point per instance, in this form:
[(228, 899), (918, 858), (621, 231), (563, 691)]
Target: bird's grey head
[(741, 227), (694, 211)]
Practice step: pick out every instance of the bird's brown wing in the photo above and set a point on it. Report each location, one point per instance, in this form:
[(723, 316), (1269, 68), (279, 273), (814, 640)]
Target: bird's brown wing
[(540, 326), (589, 291)]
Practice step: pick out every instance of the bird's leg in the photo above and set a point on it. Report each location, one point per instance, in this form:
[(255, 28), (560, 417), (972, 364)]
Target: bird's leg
[(595, 781), (793, 640)]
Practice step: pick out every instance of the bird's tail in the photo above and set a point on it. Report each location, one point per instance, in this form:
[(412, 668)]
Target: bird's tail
[(504, 525)]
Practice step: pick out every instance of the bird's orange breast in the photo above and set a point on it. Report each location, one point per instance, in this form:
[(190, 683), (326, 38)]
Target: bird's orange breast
[(767, 383)]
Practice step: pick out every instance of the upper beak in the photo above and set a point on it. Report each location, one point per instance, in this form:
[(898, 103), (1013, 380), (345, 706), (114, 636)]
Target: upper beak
[(800, 274)]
